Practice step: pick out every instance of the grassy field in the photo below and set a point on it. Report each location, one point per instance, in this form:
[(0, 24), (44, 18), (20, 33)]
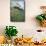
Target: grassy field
[(17, 14)]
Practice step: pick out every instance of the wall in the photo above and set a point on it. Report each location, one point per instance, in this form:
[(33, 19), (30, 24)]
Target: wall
[(32, 8)]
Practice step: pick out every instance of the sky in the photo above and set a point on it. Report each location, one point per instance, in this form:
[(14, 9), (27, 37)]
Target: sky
[(21, 2)]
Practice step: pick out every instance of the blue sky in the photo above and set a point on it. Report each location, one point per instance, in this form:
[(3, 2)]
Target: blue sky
[(21, 2)]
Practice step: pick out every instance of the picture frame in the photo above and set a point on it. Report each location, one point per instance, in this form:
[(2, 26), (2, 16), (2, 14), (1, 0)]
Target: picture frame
[(17, 10)]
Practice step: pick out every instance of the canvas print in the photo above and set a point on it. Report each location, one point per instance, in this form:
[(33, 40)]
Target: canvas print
[(17, 11)]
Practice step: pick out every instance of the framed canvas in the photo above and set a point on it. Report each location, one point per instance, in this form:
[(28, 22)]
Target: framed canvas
[(17, 10)]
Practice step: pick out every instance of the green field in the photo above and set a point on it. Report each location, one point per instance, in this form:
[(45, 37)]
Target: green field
[(17, 14)]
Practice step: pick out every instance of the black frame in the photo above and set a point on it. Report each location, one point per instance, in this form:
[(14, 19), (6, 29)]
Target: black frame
[(24, 11)]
